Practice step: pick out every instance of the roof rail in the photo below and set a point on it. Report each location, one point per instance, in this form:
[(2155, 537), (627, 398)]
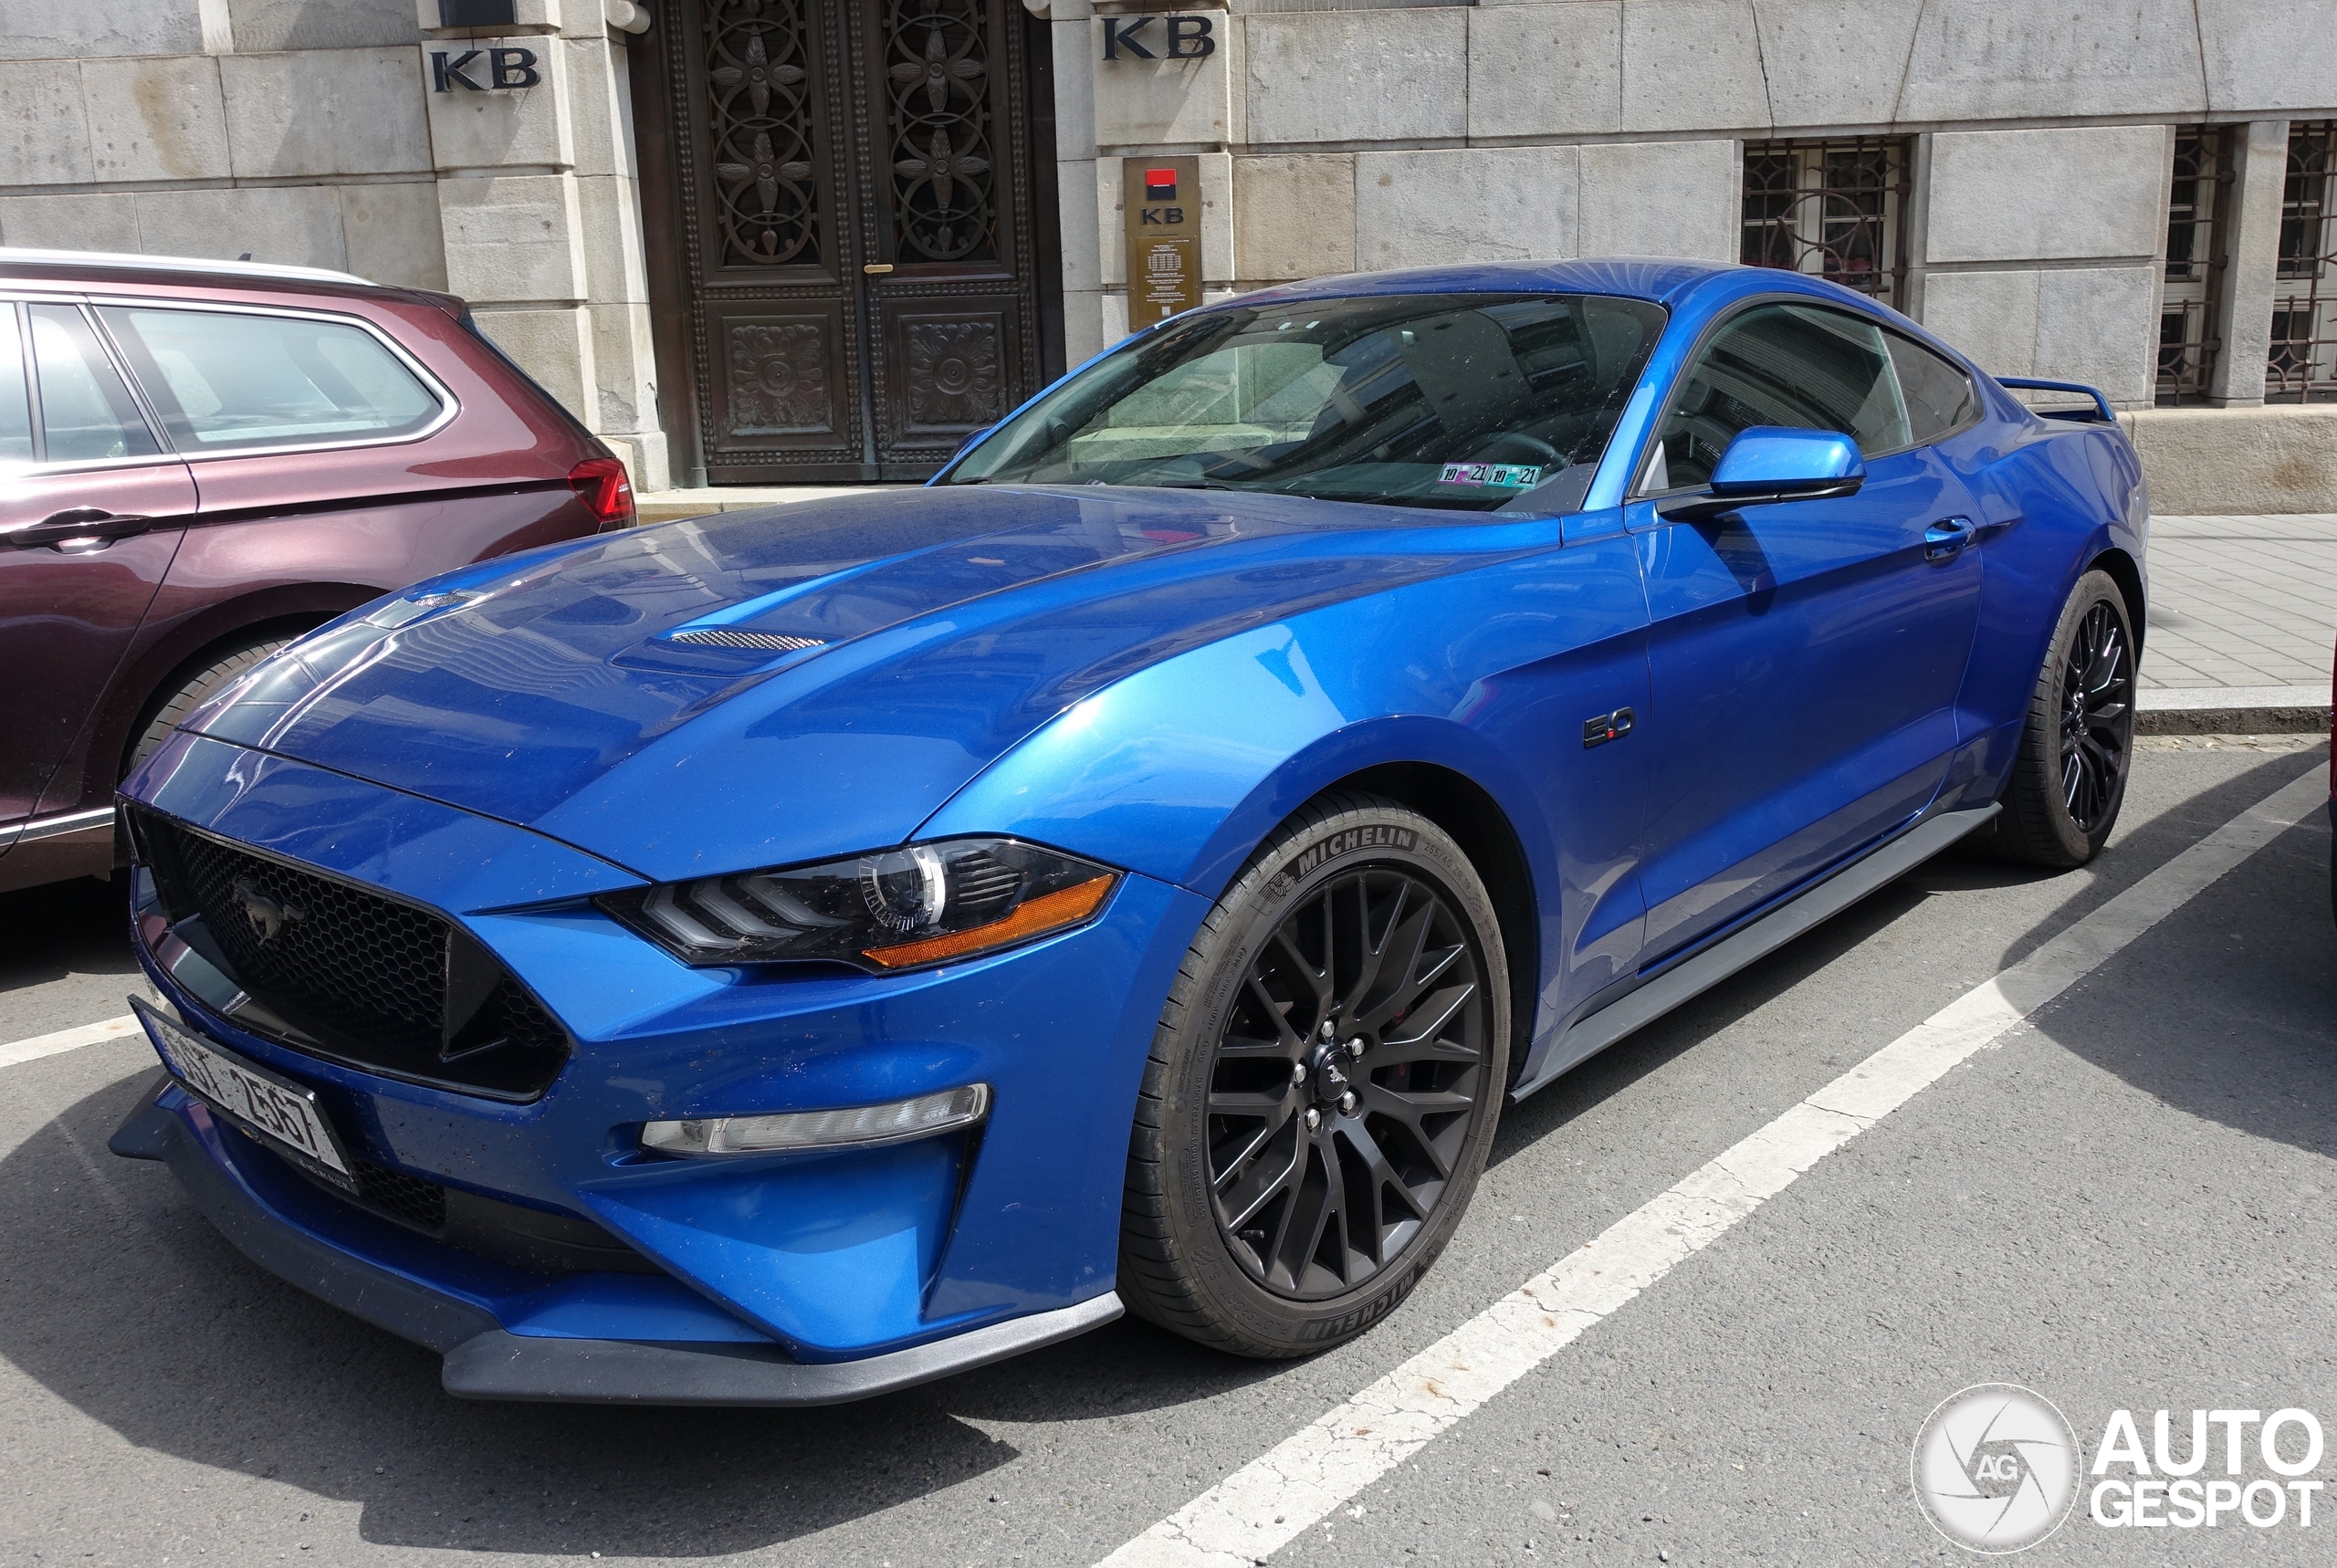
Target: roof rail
[(2101, 414), (123, 261)]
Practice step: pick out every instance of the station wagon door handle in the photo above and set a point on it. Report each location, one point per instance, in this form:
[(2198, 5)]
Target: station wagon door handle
[(1943, 538), (98, 527)]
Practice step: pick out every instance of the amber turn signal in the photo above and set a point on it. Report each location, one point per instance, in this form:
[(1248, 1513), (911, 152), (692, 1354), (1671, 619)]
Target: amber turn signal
[(1032, 917)]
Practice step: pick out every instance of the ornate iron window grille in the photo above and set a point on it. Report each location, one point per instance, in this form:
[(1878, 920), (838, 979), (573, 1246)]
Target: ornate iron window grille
[(2196, 259), (1834, 207), (938, 71), (2302, 366), (758, 59)]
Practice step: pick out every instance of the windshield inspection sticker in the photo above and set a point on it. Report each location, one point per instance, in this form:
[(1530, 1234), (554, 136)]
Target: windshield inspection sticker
[(1493, 476)]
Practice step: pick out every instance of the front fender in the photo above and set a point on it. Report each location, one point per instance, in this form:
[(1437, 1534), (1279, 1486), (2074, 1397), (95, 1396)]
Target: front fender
[(1180, 770)]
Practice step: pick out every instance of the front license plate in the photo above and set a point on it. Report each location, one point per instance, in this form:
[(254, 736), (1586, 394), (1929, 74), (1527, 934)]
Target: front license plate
[(247, 1094)]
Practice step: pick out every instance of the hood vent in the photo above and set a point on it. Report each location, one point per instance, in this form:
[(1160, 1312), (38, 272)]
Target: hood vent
[(773, 641)]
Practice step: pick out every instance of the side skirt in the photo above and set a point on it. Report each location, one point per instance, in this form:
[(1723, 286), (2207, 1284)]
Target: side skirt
[(1588, 1035)]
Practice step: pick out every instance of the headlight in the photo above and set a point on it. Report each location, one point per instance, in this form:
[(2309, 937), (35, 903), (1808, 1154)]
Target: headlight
[(896, 909)]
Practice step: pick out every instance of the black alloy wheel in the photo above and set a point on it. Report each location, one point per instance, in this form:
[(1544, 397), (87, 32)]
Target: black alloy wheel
[(1322, 1086), (2097, 718), (1345, 1082), (2069, 777)]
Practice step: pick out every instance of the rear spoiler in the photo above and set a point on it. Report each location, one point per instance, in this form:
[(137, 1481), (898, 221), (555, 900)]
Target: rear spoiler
[(2101, 414)]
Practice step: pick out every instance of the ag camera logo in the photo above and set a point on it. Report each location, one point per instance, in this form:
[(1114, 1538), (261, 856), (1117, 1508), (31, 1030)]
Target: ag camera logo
[(1996, 1468)]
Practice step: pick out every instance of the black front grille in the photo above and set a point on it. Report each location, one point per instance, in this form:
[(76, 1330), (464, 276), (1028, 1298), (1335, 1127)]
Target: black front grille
[(343, 971)]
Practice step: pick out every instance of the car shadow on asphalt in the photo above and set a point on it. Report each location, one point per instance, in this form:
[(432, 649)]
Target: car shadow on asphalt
[(78, 927), (2226, 1010), (122, 1301), (2127, 861)]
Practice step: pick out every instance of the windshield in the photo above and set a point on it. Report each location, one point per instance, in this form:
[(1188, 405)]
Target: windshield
[(1481, 402)]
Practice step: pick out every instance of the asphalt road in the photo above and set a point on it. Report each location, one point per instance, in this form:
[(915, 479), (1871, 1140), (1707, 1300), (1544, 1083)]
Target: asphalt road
[(2121, 1204)]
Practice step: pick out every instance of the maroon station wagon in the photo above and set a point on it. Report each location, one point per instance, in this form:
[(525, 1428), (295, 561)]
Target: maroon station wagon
[(200, 461)]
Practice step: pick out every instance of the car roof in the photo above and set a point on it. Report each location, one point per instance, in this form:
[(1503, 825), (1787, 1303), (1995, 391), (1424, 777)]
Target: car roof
[(183, 269), (1655, 278)]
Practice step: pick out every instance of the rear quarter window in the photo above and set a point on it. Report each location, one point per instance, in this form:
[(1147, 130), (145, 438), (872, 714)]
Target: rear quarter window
[(222, 381), (1940, 399)]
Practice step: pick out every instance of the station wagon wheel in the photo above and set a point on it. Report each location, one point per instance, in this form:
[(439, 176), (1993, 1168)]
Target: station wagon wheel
[(211, 673), (1322, 1086), (2069, 777)]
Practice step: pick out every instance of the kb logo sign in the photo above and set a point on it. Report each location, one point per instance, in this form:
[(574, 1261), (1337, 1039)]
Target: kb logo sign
[(1188, 39), (505, 68)]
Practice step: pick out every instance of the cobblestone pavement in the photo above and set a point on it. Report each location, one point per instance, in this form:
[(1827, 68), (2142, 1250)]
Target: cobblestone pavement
[(2244, 601)]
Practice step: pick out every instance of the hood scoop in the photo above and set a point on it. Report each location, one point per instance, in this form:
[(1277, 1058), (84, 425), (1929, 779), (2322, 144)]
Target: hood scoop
[(726, 637)]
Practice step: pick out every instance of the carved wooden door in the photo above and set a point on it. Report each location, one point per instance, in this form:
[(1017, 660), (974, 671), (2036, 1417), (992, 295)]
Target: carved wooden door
[(859, 267)]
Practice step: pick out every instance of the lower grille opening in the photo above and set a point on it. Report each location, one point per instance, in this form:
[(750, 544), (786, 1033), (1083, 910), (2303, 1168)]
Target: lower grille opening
[(511, 1234), (411, 1201), (339, 970)]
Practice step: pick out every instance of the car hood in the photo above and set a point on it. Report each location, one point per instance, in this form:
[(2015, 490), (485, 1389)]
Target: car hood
[(756, 688)]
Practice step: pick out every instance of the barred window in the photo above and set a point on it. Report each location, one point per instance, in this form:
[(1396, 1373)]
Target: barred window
[(1834, 207), (2187, 341), (2304, 364)]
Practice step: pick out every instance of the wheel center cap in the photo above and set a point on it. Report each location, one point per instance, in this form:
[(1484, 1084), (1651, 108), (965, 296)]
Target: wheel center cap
[(1330, 1076)]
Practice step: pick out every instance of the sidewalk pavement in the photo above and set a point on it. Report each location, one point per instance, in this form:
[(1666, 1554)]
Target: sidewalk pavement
[(2243, 612), (2243, 609)]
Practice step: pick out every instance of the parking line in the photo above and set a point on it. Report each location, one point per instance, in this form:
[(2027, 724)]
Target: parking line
[(1275, 1498), (66, 1039)]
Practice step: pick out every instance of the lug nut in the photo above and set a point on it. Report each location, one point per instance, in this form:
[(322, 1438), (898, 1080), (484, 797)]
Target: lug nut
[(1347, 1104), (1355, 1048), (1314, 1118), (1328, 1029), (1298, 1072)]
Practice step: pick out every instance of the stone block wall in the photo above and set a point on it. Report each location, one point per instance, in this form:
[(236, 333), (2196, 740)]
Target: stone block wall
[(1384, 135), (306, 131)]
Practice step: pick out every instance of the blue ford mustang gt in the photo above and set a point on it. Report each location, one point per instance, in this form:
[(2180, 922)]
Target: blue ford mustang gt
[(785, 956)]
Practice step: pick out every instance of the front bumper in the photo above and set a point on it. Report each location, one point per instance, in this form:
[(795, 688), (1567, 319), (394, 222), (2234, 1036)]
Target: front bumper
[(485, 1361), (791, 1278)]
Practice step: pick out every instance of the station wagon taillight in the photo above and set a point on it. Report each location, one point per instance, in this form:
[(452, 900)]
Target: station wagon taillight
[(607, 489)]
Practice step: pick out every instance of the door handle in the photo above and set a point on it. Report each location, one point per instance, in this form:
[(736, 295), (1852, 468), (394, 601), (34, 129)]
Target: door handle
[(1943, 538), (76, 524)]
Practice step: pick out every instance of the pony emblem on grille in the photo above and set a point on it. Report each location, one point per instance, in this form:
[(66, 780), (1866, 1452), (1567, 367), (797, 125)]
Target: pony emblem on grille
[(269, 917)]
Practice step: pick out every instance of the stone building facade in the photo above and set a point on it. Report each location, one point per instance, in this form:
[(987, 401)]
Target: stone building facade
[(763, 240)]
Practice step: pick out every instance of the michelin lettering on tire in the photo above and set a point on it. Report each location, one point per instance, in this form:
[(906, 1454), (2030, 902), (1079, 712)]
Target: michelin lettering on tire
[(1996, 1468), (1375, 836)]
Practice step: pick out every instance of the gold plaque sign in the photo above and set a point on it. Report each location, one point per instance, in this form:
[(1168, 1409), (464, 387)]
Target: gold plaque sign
[(1162, 210)]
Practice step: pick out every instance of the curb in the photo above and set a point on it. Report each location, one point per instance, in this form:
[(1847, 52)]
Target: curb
[(2233, 710)]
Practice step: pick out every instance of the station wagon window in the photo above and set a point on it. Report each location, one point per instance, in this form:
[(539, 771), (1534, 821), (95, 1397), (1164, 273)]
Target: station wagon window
[(1793, 365), (16, 403), (87, 414), (225, 382)]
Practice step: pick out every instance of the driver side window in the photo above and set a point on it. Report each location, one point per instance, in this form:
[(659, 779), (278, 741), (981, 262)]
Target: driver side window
[(1795, 365)]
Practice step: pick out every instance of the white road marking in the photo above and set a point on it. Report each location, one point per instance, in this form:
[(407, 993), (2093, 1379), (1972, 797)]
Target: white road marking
[(1277, 1497), (66, 1039)]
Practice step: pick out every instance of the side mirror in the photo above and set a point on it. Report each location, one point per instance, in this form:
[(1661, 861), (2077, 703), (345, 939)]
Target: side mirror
[(971, 436), (1770, 463)]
